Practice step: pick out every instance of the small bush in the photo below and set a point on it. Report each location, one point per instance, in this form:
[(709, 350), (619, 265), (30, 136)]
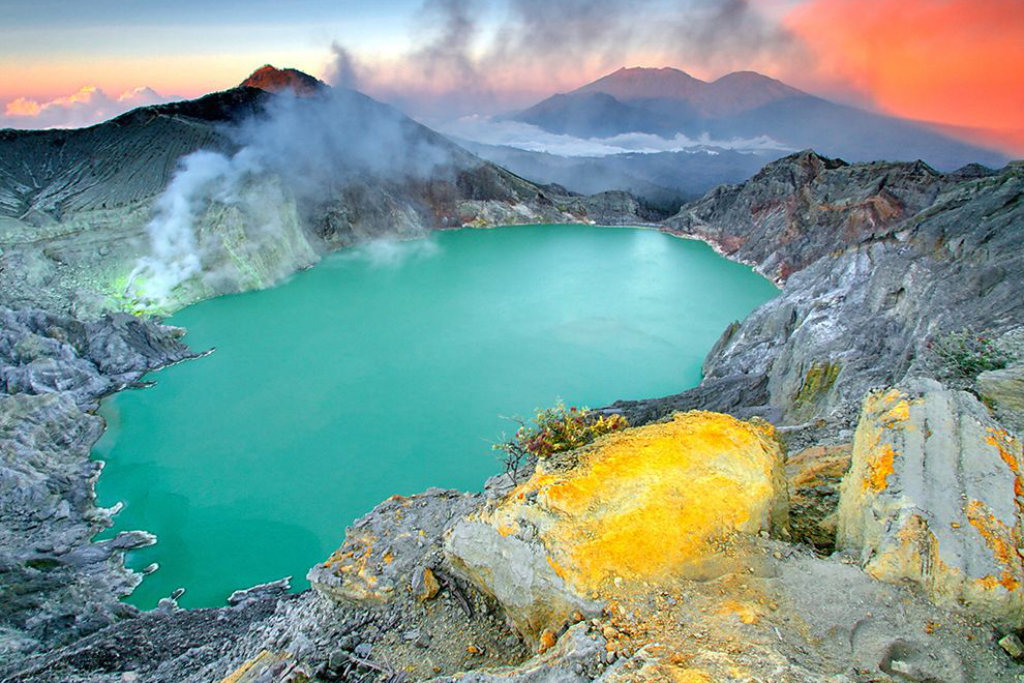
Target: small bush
[(967, 354), (555, 430)]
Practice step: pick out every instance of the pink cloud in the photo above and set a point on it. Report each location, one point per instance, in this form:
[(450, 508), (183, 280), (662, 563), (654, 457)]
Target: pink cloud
[(88, 106)]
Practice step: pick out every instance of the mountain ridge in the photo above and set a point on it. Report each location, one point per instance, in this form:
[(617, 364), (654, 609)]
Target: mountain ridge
[(746, 105)]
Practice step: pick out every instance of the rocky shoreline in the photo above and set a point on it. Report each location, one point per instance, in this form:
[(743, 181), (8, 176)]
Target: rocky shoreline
[(877, 261)]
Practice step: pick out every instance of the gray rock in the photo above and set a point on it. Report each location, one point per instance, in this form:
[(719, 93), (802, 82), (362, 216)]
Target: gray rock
[(931, 498), (1005, 389), (517, 573), (568, 662), (875, 261), (58, 585), (395, 541)]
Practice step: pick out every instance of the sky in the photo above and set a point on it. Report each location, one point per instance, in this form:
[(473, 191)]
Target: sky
[(959, 63)]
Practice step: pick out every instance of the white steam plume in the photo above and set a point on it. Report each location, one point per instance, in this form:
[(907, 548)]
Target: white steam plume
[(309, 149), (202, 177)]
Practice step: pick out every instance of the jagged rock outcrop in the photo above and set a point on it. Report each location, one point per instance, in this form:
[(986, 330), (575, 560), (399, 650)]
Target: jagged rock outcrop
[(641, 505), (877, 260), (385, 553), (934, 496), (58, 584)]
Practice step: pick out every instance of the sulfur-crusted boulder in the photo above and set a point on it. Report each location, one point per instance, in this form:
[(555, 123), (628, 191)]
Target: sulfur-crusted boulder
[(934, 495), (641, 505)]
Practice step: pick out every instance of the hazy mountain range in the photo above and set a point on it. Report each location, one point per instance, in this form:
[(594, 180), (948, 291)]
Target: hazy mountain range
[(690, 135), (746, 105)]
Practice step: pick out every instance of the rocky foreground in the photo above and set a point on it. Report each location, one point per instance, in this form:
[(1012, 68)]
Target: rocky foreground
[(851, 510)]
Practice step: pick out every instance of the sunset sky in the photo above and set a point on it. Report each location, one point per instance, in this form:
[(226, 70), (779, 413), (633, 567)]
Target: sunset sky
[(953, 62)]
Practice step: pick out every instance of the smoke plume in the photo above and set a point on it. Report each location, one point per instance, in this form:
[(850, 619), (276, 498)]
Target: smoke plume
[(301, 149)]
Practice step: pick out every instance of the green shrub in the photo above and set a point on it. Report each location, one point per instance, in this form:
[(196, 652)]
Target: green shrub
[(555, 430), (967, 354)]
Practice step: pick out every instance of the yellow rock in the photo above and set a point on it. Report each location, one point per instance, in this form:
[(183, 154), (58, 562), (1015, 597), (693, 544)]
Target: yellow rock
[(645, 505), (646, 501), (430, 586), (258, 669)]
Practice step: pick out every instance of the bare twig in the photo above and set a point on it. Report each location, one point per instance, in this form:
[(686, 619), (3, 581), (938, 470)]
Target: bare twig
[(453, 587)]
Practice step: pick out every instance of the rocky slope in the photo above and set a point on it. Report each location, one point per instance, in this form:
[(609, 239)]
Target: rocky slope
[(876, 261), (57, 583), (284, 182), (598, 564)]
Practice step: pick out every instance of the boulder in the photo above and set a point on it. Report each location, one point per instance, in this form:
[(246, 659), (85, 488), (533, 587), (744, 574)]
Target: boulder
[(934, 496), (639, 506), (1005, 389)]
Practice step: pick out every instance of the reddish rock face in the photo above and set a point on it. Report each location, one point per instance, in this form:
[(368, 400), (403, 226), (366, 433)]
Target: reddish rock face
[(276, 80)]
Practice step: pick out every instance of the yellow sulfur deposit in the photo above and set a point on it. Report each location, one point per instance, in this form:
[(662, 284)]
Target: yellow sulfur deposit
[(644, 503)]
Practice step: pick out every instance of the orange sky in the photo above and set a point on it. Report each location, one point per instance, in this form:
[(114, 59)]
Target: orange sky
[(958, 62), (953, 62)]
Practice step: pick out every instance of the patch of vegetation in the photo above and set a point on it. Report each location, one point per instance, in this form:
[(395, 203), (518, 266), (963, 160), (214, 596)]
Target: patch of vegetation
[(966, 354), (43, 564), (554, 430), (819, 379)]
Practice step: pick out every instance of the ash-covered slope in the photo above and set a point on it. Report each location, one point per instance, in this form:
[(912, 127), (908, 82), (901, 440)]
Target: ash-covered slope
[(47, 175), (169, 204)]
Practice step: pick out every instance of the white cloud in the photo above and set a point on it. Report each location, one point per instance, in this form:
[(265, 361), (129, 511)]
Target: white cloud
[(486, 130), (86, 107)]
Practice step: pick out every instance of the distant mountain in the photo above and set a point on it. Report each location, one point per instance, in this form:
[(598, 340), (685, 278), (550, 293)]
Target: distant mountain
[(272, 79), (744, 105), (731, 94), (662, 180)]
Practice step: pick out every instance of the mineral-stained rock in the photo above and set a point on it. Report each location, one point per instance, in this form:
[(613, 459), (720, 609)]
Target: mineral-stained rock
[(1005, 389), (814, 476), (568, 661), (934, 495), (638, 506), (1012, 645), (268, 667), (385, 548)]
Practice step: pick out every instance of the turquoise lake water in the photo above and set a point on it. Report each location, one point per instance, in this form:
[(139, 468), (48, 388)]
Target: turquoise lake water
[(385, 370)]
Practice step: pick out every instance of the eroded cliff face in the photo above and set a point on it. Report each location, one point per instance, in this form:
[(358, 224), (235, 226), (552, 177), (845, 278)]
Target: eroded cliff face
[(863, 294)]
